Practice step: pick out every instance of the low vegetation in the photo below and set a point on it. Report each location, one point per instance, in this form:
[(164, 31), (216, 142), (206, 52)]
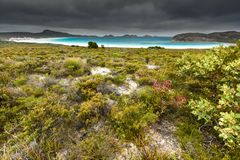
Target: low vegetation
[(52, 106)]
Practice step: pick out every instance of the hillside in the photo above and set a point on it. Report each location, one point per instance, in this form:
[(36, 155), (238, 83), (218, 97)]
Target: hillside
[(231, 36), (43, 34)]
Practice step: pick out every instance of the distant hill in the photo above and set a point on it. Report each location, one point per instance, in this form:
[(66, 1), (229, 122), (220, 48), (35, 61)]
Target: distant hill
[(43, 34), (230, 36), (51, 34)]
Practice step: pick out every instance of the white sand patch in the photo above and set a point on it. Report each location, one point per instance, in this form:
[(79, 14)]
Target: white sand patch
[(162, 138), (64, 82), (129, 151), (100, 71), (75, 80), (37, 80), (129, 88), (152, 67), (41, 80)]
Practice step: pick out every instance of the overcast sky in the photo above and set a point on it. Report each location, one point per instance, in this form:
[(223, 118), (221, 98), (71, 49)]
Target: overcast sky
[(154, 17)]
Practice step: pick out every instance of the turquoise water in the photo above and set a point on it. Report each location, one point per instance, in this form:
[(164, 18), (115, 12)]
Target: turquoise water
[(125, 42), (139, 42)]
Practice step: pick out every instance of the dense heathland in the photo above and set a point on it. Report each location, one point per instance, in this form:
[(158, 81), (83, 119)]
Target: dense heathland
[(62, 102)]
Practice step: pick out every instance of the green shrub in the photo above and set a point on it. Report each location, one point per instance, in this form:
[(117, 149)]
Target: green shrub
[(72, 67), (229, 129), (156, 47), (92, 110), (87, 86), (43, 118), (217, 77), (159, 97), (203, 109), (73, 64), (130, 120), (20, 81), (119, 79), (92, 45), (97, 145), (4, 78)]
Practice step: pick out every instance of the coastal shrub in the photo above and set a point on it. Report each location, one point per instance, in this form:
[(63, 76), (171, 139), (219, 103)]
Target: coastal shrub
[(4, 78), (92, 110), (119, 79), (21, 80), (33, 91), (129, 120), (229, 128), (74, 66), (160, 96), (191, 140), (87, 86), (92, 45), (43, 118), (131, 68), (203, 109), (156, 47), (217, 101), (97, 145)]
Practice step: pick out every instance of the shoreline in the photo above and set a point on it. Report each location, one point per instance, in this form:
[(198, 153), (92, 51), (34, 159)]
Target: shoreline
[(81, 44)]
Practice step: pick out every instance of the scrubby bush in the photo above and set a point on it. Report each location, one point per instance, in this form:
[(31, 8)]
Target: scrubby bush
[(74, 65), (217, 100), (92, 110), (20, 80), (97, 145), (4, 78), (87, 87), (92, 45), (129, 119), (156, 47), (161, 97), (229, 129)]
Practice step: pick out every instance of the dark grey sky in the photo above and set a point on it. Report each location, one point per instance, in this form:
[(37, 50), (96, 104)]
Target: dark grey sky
[(157, 17)]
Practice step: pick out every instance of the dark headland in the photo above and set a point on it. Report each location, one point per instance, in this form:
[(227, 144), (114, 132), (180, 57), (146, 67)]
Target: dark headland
[(229, 36)]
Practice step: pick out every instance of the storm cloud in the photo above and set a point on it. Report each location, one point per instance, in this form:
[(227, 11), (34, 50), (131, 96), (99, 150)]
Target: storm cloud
[(121, 16)]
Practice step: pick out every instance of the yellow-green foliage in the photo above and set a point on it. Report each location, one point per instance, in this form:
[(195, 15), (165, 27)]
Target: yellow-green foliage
[(74, 65), (87, 87), (97, 145), (217, 73), (91, 111), (130, 119)]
